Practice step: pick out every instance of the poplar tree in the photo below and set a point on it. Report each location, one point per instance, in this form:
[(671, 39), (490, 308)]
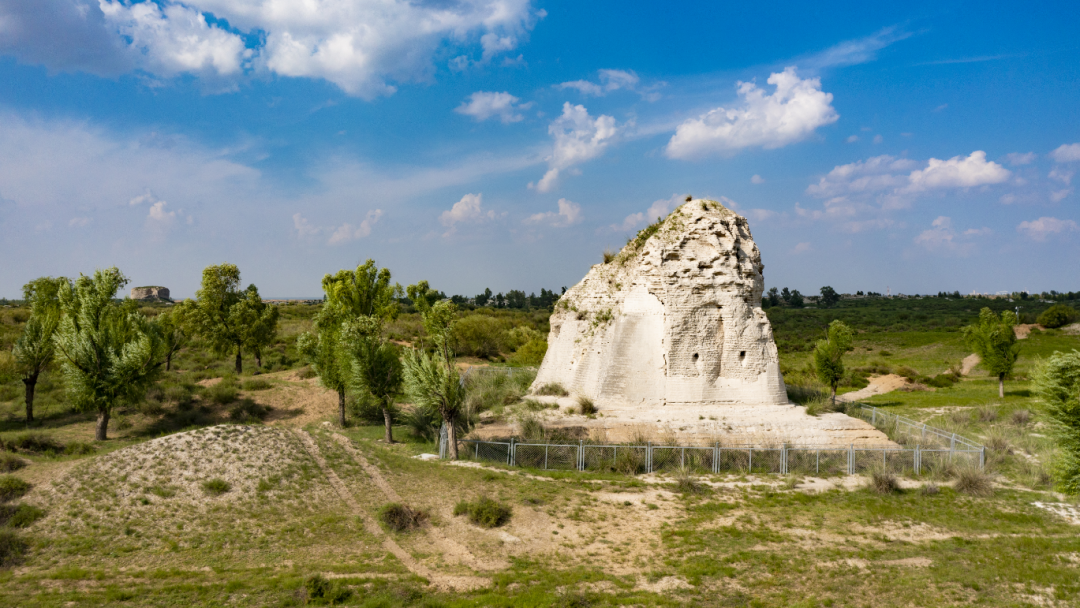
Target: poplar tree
[(432, 380), (33, 350), (109, 352), (829, 355), (1057, 382), (993, 339), (229, 318)]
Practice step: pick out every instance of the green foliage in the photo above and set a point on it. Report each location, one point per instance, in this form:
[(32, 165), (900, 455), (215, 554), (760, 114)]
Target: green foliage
[(223, 392), (553, 389), (216, 486), (829, 297), (402, 518), (12, 487), (993, 339), (175, 327), (110, 354), (256, 384), (480, 335), (10, 463), (230, 319), (321, 591), (484, 512), (829, 355), (1057, 382), (586, 406), (32, 443), (531, 353), (20, 516), (33, 351), (973, 482), (247, 411), (12, 548), (1058, 315)]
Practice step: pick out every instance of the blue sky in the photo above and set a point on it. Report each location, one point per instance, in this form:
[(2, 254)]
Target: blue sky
[(506, 143)]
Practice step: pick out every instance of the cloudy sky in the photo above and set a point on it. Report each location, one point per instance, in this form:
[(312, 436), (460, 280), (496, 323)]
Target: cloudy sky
[(506, 143)]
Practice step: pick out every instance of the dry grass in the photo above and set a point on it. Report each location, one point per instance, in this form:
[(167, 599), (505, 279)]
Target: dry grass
[(586, 406), (551, 389), (883, 482), (974, 482), (402, 518)]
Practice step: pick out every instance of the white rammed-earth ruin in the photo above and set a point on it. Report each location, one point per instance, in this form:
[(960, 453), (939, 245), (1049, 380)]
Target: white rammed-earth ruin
[(674, 318)]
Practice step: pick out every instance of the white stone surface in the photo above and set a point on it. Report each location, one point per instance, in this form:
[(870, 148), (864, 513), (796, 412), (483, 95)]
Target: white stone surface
[(675, 319)]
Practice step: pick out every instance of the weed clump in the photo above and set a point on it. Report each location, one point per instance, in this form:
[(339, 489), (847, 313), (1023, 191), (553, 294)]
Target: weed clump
[(686, 484), (216, 486), (974, 482), (248, 412), (586, 406), (484, 512), (552, 389), (12, 487), (32, 443), (20, 516), (883, 482), (402, 518), (1021, 417), (256, 384), (306, 373), (609, 256), (224, 392), (930, 489), (321, 591), (79, 448), (10, 462), (12, 548)]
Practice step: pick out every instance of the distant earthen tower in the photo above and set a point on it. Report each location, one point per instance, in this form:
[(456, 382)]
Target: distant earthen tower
[(675, 317)]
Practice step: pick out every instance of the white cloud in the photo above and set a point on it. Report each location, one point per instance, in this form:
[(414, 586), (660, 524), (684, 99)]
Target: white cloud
[(852, 139), (348, 232), (158, 217), (802, 248), (569, 214), (757, 179), (146, 197), (874, 174), (614, 80), (578, 138), (958, 172), (853, 52), (878, 139), (79, 222), (304, 229), (468, 209), (942, 238), (1059, 195), (483, 105), (175, 38), (361, 46), (1066, 153), (1045, 227), (1017, 159), (1062, 175), (791, 113), (659, 209)]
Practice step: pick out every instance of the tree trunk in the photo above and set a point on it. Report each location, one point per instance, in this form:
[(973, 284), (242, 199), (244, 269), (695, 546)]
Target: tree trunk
[(451, 438), (258, 358), (239, 363), (31, 384), (834, 395), (386, 420), (341, 407), (168, 361), (1001, 386), (102, 425)]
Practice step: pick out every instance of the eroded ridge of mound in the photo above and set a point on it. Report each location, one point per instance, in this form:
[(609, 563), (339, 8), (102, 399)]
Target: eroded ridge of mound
[(675, 317)]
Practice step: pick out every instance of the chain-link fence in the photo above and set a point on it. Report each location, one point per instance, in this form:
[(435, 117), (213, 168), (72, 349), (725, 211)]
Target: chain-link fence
[(928, 449)]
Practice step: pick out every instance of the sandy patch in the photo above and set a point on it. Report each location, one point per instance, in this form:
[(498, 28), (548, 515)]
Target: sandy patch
[(1069, 512), (879, 385), (1071, 330), (969, 363), (668, 583), (1023, 330)]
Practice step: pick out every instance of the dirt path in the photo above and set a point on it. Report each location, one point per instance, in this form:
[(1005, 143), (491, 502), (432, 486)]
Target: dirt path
[(457, 583), (448, 546), (878, 386), (969, 364)]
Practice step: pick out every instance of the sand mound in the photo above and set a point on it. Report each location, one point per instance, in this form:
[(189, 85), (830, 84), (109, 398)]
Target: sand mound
[(879, 385)]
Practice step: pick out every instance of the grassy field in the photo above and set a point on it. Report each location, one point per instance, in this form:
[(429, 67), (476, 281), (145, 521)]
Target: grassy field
[(192, 504)]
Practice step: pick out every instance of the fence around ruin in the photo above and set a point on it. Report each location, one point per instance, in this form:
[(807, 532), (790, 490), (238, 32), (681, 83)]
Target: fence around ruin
[(923, 450)]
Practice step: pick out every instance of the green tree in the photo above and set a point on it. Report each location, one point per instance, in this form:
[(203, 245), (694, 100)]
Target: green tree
[(829, 297), (1057, 382), (108, 351), (829, 355), (376, 365), (1058, 315), (796, 299), (229, 318), (993, 339), (432, 380), (33, 350), (175, 329), (349, 296)]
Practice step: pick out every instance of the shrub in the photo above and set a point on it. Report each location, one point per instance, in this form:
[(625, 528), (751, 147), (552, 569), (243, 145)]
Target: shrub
[(530, 353), (974, 482), (222, 393), (537, 406), (479, 335), (402, 518), (216, 486), (21, 516), (256, 384), (685, 482), (306, 373), (531, 429), (321, 591), (10, 462), (883, 482), (908, 373), (12, 487), (1058, 315), (12, 548), (248, 412), (929, 489), (609, 255), (586, 406), (32, 443), (802, 394), (488, 389), (945, 380), (365, 407), (823, 404), (1021, 417), (552, 389), (484, 512), (987, 413), (79, 448)]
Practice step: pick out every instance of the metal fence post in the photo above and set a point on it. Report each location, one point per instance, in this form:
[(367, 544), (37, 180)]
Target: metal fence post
[(716, 458), (509, 451), (874, 416), (982, 457), (817, 462), (851, 459), (581, 454), (545, 456), (750, 466), (918, 467), (682, 459), (783, 460)]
